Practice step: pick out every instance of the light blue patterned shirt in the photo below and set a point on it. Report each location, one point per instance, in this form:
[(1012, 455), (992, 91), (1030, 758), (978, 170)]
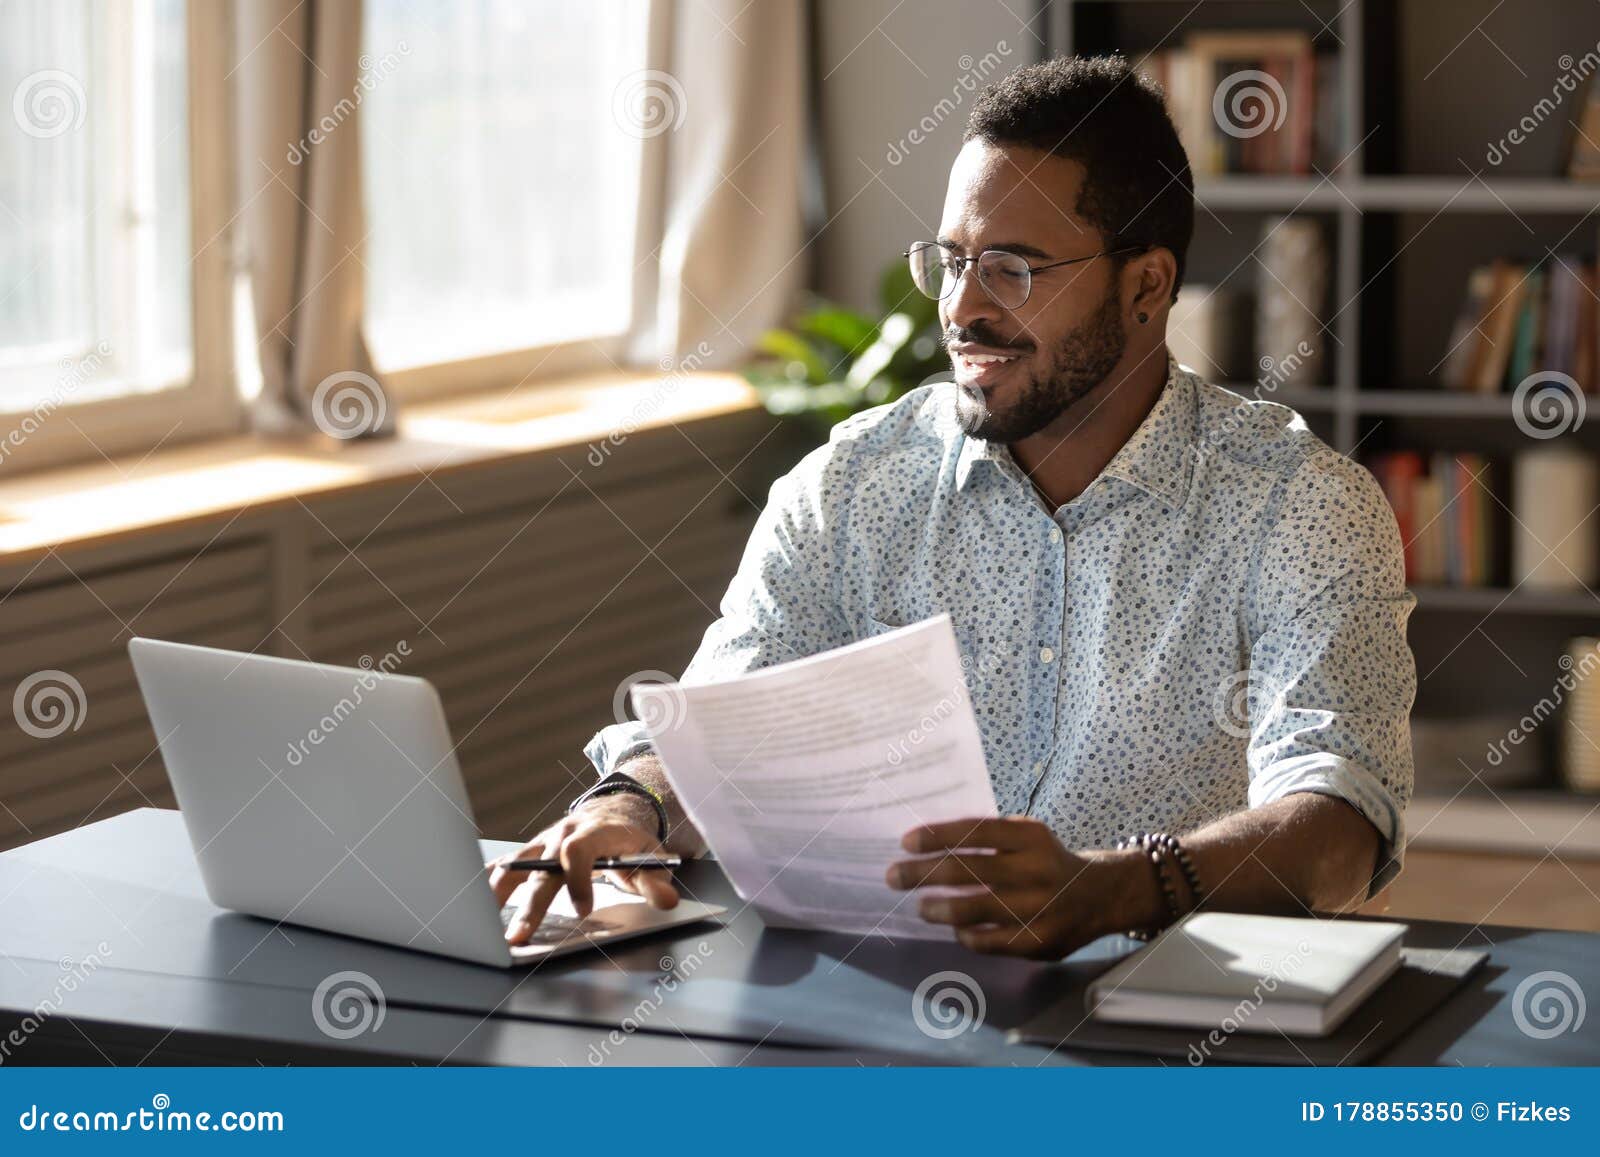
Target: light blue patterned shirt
[(1216, 622)]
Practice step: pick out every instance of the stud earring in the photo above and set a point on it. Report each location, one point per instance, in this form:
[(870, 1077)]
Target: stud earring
[(1143, 317)]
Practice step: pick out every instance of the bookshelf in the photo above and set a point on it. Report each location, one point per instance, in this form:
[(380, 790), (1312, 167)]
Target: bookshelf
[(1412, 204)]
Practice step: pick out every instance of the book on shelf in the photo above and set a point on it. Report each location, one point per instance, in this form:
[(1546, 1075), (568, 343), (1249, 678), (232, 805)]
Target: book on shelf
[(1519, 319), (1445, 514), (1251, 102)]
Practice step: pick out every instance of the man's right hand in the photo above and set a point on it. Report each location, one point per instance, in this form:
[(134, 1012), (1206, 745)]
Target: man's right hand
[(609, 826)]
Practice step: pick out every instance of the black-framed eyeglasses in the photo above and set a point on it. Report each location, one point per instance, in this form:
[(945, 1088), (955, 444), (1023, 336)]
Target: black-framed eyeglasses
[(1006, 277)]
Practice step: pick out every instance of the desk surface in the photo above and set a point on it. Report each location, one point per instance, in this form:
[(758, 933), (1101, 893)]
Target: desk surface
[(180, 980)]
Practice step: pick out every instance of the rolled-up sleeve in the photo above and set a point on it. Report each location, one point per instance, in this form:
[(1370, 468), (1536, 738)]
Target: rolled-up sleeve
[(782, 603), (1332, 678)]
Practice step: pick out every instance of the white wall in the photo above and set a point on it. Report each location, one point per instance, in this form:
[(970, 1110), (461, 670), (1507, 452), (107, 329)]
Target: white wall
[(882, 68)]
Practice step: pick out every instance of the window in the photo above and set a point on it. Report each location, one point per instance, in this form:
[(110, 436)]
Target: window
[(496, 167), (98, 267)]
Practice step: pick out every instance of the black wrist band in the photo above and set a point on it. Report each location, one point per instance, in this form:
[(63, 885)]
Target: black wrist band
[(618, 782)]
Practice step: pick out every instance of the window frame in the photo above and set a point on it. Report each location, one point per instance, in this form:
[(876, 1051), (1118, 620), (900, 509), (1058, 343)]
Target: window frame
[(208, 403)]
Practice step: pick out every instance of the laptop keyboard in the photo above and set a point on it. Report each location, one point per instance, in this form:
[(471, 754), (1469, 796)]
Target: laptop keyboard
[(555, 927)]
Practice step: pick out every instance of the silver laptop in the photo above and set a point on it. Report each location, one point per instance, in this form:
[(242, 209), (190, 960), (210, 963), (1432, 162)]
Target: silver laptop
[(330, 797)]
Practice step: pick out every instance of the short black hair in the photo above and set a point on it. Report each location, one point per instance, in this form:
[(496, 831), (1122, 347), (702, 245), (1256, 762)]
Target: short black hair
[(1100, 112)]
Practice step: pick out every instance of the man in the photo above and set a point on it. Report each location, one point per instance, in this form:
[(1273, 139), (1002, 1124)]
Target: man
[(1180, 611)]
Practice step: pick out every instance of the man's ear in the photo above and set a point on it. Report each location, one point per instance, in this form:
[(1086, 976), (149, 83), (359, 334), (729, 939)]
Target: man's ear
[(1153, 273)]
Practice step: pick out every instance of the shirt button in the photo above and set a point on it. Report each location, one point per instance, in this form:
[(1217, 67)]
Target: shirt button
[(1046, 654), (1055, 534)]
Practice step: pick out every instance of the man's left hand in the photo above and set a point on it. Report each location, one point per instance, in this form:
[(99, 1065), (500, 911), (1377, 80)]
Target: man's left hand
[(1022, 892)]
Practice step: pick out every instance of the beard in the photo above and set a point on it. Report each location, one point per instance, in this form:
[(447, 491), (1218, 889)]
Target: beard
[(1080, 361)]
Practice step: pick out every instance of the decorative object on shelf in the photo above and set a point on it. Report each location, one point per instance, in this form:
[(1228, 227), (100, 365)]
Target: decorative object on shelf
[(834, 361), (1583, 143), (1553, 544), (1207, 331), (1580, 730), (1290, 288)]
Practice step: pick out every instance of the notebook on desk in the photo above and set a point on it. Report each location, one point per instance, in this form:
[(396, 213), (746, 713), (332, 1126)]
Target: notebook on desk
[(1265, 974)]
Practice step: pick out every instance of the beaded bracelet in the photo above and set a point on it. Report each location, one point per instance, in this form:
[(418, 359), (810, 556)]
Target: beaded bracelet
[(1159, 847)]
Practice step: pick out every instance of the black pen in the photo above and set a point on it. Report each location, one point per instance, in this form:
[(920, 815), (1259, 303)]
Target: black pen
[(604, 863)]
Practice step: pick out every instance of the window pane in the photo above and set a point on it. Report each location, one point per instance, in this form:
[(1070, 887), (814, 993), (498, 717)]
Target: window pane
[(501, 191), (94, 200)]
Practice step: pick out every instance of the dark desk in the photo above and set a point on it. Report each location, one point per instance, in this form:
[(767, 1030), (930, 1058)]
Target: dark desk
[(179, 981)]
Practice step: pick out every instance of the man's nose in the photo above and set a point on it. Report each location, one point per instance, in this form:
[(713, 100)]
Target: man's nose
[(969, 301)]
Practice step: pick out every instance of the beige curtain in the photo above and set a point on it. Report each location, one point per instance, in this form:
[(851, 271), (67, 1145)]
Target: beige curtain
[(723, 214), (298, 84)]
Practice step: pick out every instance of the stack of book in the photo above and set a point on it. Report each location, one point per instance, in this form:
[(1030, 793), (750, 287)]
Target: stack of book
[(1445, 512), (1519, 319), (1251, 102)]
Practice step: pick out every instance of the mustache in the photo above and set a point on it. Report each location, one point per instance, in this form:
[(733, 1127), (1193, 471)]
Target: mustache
[(980, 335)]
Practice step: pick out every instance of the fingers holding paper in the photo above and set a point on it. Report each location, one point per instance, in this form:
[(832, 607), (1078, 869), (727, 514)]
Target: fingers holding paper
[(1006, 885)]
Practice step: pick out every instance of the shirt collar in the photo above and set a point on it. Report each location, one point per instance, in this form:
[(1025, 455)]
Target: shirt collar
[(1158, 457)]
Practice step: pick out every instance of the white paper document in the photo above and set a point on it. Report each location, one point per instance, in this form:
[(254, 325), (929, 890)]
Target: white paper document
[(804, 777)]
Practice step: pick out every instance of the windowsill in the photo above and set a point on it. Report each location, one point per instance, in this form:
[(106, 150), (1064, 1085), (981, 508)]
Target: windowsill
[(83, 505)]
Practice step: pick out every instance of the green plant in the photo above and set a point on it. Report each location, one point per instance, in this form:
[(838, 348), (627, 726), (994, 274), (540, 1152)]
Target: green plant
[(834, 361)]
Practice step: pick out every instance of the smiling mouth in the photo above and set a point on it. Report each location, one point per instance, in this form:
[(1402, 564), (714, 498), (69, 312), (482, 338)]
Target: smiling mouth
[(979, 368)]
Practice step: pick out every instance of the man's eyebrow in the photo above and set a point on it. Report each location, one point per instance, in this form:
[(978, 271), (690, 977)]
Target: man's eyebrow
[(1020, 248)]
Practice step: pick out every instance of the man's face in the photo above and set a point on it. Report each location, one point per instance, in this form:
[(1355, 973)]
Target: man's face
[(1019, 369)]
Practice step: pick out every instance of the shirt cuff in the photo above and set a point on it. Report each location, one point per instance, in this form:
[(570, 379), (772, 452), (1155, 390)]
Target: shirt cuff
[(1343, 779), (616, 744)]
